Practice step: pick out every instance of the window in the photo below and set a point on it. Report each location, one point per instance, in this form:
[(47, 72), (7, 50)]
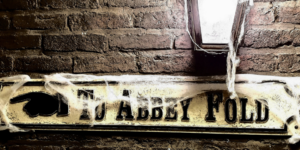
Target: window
[(214, 21)]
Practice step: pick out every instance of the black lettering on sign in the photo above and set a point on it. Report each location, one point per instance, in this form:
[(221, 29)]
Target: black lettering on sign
[(41, 104), (244, 117), (100, 117), (259, 113), (185, 105), (63, 108), (143, 108), (87, 95), (171, 112), (211, 105), (227, 110), (126, 108), (157, 112)]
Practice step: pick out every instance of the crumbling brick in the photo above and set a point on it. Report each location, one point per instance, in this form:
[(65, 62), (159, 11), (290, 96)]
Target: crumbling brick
[(91, 43), (17, 4), (289, 63), (43, 64), (116, 62), (261, 14), (166, 62), (257, 63), (20, 42), (39, 22), (92, 21), (135, 3), (160, 20), (6, 64), (148, 41)]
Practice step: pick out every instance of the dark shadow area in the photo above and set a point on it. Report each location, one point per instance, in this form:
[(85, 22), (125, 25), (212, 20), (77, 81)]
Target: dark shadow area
[(64, 135), (210, 64)]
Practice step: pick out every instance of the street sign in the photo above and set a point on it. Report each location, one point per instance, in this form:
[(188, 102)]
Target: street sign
[(179, 105)]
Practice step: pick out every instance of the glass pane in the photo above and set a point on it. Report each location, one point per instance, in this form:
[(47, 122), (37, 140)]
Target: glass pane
[(216, 19)]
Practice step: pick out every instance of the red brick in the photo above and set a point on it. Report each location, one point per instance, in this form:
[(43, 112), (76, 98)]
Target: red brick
[(296, 37), (18, 4), (135, 3), (269, 38), (160, 20), (166, 62), (59, 4), (116, 62), (261, 14), (91, 43), (43, 64), (148, 41), (20, 42), (178, 5), (6, 63), (288, 12), (23, 147), (289, 63), (257, 63), (183, 42), (4, 22), (91, 21), (39, 22), (93, 4)]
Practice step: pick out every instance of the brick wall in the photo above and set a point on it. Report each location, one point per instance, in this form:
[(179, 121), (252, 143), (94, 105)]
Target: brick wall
[(135, 37), (94, 36), (272, 39), (77, 36)]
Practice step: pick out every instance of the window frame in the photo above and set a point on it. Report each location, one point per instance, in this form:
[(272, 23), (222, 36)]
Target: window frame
[(196, 27)]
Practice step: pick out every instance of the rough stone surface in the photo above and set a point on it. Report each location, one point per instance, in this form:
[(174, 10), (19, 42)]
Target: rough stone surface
[(91, 43), (25, 147), (288, 12), (4, 22), (57, 3), (257, 63), (261, 14), (105, 63), (60, 4), (43, 64), (270, 38), (134, 3), (289, 63), (6, 64), (138, 141), (166, 62), (39, 22), (20, 42), (148, 41), (18, 4), (91, 21), (183, 42), (160, 20)]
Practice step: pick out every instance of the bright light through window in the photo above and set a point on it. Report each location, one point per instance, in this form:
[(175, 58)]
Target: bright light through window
[(216, 20)]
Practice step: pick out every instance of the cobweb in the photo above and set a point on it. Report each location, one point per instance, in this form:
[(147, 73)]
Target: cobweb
[(280, 94)]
